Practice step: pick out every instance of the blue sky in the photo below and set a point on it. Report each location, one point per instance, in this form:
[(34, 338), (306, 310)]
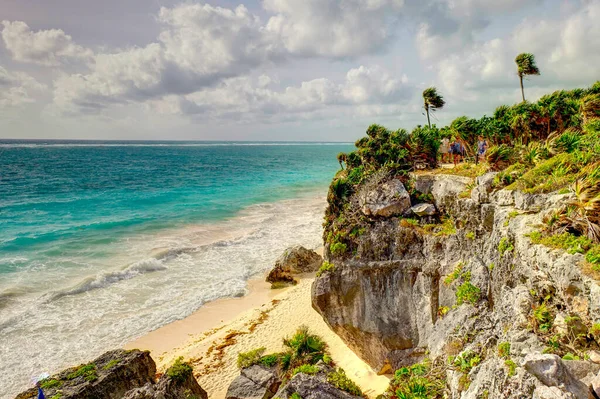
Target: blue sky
[(276, 69)]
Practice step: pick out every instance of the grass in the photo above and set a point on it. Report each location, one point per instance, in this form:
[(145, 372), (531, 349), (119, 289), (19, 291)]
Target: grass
[(504, 349), (570, 243), (250, 358), (49, 383), (309, 369), (110, 364), (420, 381), (445, 228), (87, 371), (179, 371), (325, 267)]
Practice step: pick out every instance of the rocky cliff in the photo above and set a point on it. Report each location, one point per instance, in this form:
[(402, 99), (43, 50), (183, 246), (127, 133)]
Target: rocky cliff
[(465, 290)]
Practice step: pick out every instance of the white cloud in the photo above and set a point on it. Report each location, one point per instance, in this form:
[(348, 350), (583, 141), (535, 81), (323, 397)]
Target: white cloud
[(333, 28), (364, 90), (17, 88), (45, 47)]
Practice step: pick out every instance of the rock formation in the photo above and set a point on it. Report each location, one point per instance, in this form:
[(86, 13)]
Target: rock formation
[(461, 289), (295, 260), (120, 374)]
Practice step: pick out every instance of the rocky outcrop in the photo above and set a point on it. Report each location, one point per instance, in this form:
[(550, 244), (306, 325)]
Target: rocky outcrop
[(312, 387), (119, 374), (408, 292), (254, 382), (294, 260), (385, 200)]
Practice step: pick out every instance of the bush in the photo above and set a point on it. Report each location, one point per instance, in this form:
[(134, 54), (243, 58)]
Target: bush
[(467, 292), (325, 267), (305, 348), (87, 371), (306, 369), (339, 380), (250, 358), (180, 371)]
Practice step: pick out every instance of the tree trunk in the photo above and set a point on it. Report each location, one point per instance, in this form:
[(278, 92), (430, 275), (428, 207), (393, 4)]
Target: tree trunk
[(427, 110), (522, 91)]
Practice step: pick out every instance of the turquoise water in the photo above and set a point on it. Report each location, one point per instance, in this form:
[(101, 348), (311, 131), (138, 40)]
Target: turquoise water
[(101, 242)]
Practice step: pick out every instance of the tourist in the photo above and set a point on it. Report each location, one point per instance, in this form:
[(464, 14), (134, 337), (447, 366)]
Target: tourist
[(445, 149), (456, 149), (481, 148)]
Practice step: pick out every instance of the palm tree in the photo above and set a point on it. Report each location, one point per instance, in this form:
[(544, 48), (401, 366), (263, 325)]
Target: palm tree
[(432, 101), (526, 66)]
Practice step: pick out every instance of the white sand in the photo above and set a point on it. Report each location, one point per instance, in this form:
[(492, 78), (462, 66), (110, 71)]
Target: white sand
[(212, 337)]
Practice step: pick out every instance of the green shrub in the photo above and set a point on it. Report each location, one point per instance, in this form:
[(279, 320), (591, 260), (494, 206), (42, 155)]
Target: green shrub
[(512, 367), (470, 235), (593, 257), (570, 356), (505, 246), (325, 267), (179, 371), (456, 273), (338, 248), (304, 347), (49, 383), (467, 292), (309, 369), (250, 358), (295, 395), (339, 380), (419, 381), (269, 360), (466, 361), (87, 371), (504, 349)]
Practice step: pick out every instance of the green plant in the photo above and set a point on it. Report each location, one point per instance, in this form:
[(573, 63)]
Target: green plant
[(526, 66), (309, 369), (491, 267), (49, 383), (470, 235), (250, 358), (338, 248), (443, 310), (87, 371), (543, 317), (295, 395), (304, 347), (512, 367), (505, 246), (419, 381), (570, 356), (467, 292), (179, 371), (325, 267), (110, 364), (433, 101), (339, 380), (269, 360), (456, 273), (504, 349), (466, 361)]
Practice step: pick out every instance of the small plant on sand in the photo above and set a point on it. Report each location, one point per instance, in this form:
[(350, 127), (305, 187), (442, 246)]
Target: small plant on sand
[(179, 371), (304, 347), (325, 267)]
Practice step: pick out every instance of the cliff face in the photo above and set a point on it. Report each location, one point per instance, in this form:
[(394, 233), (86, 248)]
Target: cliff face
[(467, 284)]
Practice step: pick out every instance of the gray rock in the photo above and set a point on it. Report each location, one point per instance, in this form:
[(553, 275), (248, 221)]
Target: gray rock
[(255, 382), (312, 387), (551, 371), (388, 199), (423, 209), (504, 197), (167, 388), (294, 260)]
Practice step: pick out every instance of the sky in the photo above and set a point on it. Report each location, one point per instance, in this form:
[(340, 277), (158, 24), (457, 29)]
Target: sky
[(289, 70)]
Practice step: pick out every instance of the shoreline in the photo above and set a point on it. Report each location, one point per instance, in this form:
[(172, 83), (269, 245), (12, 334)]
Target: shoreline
[(211, 338)]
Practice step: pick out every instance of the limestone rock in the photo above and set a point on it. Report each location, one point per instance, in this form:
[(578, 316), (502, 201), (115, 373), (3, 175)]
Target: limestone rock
[(423, 209), (388, 199), (551, 371), (312, 387), (255, 382), (109, 376), (294, 260), (168, 388)]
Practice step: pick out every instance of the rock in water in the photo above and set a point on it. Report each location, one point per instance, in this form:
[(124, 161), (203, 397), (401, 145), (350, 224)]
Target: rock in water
[(388, 199), (294, 260), (254, 382)]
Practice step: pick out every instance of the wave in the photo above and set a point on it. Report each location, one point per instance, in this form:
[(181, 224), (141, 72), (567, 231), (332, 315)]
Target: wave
[(105, 279)]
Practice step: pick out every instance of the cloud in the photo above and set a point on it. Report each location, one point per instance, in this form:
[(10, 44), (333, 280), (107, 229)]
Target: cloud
[(333, 28), (366, 90), (45, 47), (17, 88)]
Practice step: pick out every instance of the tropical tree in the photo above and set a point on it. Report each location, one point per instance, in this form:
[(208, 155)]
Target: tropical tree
[(432, 100), (526, 66)]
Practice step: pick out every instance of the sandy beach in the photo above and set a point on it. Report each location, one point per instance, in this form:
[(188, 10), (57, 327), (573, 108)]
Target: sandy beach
[(212, 337)]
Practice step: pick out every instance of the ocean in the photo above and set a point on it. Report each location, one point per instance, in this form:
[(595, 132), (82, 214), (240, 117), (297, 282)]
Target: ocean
[(102, 242)]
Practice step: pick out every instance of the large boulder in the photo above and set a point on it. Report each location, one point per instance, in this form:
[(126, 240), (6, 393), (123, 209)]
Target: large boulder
[(313, 386), (254, 382), (552, 372), (108, 377), (294, 260), (180, 384), (385, 200)]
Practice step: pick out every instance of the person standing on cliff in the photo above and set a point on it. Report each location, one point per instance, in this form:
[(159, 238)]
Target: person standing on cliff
[(445, 149), (456, 149), (481, 148)]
